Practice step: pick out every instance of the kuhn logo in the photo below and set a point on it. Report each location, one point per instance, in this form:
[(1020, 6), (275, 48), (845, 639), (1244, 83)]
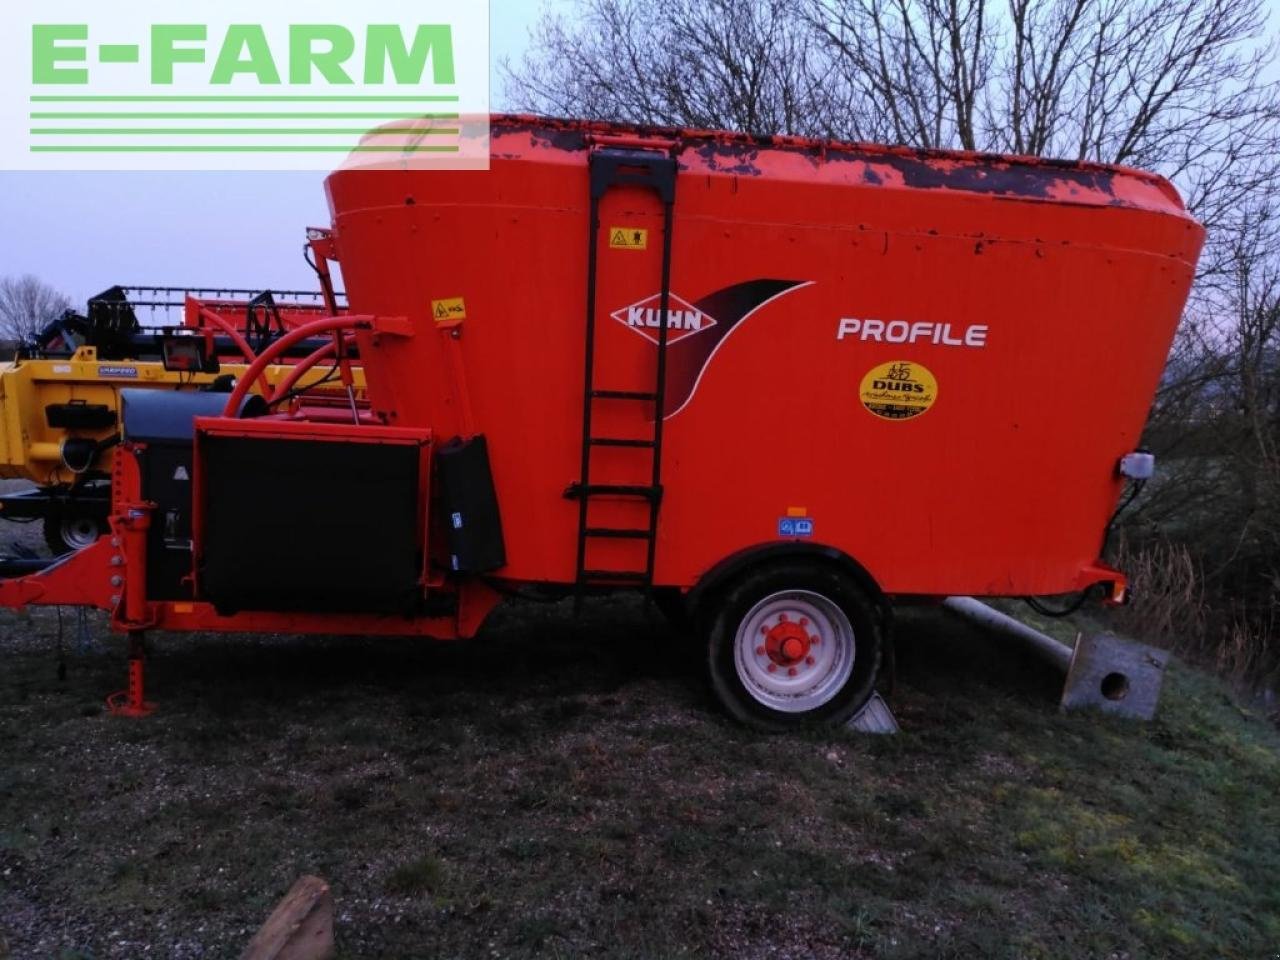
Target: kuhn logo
[(683, 318)]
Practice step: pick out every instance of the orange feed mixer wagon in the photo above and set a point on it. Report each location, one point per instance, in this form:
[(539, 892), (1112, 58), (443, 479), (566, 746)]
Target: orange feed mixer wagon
[(778, 383)]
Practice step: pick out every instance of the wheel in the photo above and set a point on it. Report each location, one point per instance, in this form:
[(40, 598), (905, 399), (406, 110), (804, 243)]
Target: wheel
[(68, 530), (794, 644)]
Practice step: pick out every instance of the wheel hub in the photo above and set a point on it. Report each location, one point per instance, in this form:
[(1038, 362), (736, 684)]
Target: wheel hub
[(79, 532), (787, 644), (795, 650)]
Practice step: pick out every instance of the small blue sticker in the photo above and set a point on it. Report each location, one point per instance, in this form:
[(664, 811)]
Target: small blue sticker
[(106, 371), (795, 527), (457, 521)]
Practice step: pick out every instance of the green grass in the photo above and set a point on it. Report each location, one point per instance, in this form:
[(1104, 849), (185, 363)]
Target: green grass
[(562, 789), (422, 875)]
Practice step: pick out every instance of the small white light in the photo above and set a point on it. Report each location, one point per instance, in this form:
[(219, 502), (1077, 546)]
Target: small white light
[(1139, 465)]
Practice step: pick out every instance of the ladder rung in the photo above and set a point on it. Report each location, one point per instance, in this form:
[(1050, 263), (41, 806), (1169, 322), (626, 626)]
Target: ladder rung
[(615, 533), (629, 576), (616, 490), (623, 395), (618, 442)]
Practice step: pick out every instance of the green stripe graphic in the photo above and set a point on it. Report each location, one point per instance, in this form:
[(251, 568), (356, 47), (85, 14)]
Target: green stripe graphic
[(364, 98), (193, 111), (217, 148), (238, 131), (396, 115)]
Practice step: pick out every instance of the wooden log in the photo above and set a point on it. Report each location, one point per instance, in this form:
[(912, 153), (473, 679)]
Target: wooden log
[(300, 927)]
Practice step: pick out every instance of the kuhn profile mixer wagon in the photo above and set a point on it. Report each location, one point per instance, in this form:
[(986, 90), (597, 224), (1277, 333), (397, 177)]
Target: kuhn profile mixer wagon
[(782, 381)]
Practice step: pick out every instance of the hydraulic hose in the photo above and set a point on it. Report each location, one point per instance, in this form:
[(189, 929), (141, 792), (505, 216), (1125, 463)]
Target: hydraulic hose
[(268, 356), (299, 370), (241, 343)]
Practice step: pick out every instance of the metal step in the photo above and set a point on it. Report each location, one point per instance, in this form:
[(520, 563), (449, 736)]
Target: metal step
[(623, 395), (619, 442), (616, 576), (616, 533), (576, 490)]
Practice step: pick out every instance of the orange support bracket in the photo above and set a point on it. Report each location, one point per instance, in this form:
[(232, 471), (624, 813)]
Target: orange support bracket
[(393, 326), (451, 331), (324, 246)]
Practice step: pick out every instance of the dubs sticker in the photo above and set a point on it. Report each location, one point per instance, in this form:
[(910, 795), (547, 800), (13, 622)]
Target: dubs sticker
[(795, 527), (900, 390)]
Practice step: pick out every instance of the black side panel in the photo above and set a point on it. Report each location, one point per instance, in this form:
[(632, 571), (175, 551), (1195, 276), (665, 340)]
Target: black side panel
[(310, 525), (166, 482), (165, 421), (470, 506)]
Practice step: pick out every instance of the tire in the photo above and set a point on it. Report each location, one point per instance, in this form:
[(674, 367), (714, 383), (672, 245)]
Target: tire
[(68, 530), (765, 667)]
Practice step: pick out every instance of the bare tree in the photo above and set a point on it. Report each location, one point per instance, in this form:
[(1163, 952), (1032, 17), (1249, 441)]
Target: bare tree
[(916, 69), (27, 306), (1217, 426), (742, 64), (1175, 86)]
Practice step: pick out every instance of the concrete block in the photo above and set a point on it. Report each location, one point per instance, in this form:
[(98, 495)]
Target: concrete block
[(1115, 676)]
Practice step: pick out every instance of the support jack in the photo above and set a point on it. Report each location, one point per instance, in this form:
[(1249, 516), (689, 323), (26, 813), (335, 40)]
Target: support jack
[(132, 702)]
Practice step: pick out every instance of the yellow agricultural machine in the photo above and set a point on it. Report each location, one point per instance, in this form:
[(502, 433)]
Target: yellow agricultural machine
[(60, 395)]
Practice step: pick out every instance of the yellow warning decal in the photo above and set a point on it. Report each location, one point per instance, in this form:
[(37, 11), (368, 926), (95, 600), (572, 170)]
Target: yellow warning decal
[(899, 390), (452, 309), (628, 238)]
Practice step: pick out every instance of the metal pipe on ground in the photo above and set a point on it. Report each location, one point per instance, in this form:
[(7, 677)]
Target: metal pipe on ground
[(1042, 645), (1103, 671)]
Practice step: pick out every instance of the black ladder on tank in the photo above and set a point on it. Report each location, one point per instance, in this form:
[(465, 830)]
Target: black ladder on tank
[(609, 168)]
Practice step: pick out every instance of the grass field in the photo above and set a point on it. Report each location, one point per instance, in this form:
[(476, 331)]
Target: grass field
[(565, 788)]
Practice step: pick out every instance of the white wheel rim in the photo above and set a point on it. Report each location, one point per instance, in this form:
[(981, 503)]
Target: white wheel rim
[(794, 651), (79, 532)]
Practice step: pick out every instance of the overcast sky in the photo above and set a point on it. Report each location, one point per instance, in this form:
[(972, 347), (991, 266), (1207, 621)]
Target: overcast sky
[(84, 232)]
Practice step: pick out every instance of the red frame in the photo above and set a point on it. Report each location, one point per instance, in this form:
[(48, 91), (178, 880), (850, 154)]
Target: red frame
[(111, 574)]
